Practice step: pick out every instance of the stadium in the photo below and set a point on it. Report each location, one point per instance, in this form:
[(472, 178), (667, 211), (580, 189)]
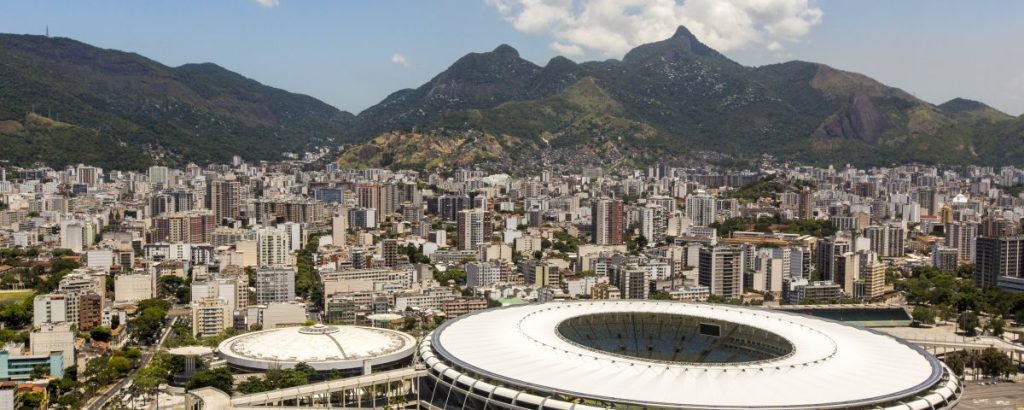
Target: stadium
[(345, 350), (618, 354)]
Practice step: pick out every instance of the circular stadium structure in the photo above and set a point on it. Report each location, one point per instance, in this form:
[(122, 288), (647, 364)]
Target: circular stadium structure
[(617, 354), (343, 349)]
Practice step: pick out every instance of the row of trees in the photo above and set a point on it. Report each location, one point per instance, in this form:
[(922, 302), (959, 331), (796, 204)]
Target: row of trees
[(307, 283), (275, 379), (989, 362)]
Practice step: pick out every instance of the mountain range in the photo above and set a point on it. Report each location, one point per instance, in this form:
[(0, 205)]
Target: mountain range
[(673, 99), (66, 102), (668, 101)]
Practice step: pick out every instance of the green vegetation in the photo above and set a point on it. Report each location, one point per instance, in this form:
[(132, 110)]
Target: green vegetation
[(924, 315), (108, 368), (158, 371), (770, 224), (180, 335), (954, 296), (660, 295), (415, 253), (306, 275), (100, 334), (457, 275), (813, 227), (566, 243), (8, 297), (968, 322), (275, 379), (635, 245), (10, 335), (990, 362), (110, 108), (219, 378), (1012, 190), (31, 400), (307, 282), (176, 286), (17, 315), (647, 106), (149, 319), (766, 187)]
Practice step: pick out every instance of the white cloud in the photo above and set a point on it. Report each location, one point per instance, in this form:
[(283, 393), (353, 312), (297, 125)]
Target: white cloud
[(269, 3), (613, 27), (566, 49), (400, 60)]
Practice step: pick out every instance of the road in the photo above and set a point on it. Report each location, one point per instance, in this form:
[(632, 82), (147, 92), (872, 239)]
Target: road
[(102, 400)]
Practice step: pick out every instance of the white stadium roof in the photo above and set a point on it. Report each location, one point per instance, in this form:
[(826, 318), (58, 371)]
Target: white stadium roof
[(322, 347), (831, 364)]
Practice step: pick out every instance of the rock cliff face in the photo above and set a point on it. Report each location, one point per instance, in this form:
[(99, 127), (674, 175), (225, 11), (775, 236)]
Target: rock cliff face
[(858, 119)]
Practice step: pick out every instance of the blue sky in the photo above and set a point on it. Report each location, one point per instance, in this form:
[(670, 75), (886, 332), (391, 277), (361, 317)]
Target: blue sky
[(352, 54)]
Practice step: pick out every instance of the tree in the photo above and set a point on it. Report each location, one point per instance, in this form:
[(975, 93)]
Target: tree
[(965, 271), (253, 385), (994, 363), (219, 378), (409, 324), (156, 372), (924, 315), (968, 322), (147, 324), (634, 246), (176, 286), (132, 353), (69, 400), (457, 275), (998, 326), (31, 400), (100, 333), (955, 363), (545, 244), (120, 364), (38, 372), (660, 295), (17, 315), (305, 370)]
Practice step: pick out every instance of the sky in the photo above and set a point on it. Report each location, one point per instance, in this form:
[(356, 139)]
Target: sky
[(352, 54)]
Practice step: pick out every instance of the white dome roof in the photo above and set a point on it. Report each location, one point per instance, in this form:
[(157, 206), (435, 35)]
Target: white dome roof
[(320, 346)]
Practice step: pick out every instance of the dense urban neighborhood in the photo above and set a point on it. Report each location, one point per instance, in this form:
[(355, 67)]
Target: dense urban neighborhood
[(109, 274)]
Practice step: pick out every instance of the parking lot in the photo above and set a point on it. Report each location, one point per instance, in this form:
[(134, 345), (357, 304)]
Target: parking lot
[(993, 397)]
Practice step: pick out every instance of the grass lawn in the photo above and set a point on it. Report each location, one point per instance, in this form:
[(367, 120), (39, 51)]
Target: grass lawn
[(13, 296)]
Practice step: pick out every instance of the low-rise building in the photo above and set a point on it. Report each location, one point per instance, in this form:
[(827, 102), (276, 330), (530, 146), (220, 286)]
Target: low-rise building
[(54, 337), (461, 306)]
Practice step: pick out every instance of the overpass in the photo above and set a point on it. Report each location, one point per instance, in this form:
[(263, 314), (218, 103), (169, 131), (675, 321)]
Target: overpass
[(940, 344), (392, 389)]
